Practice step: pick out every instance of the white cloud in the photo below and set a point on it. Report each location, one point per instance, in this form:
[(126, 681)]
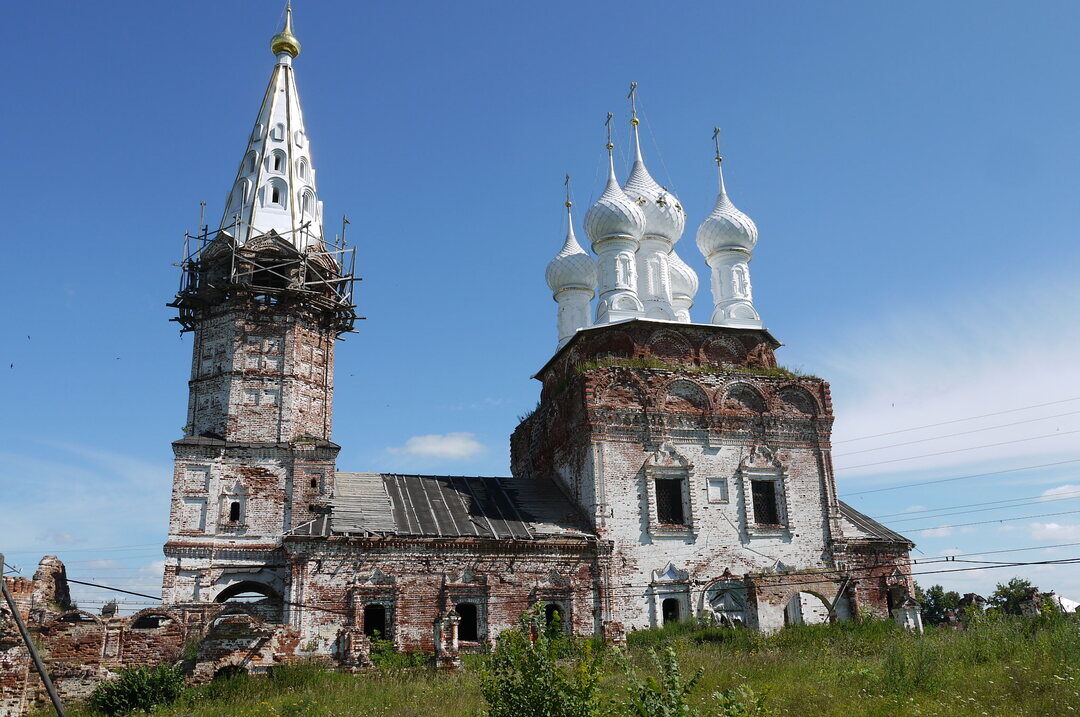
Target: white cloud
[(982, 354), (1055, 531), (1062, 491), (914, 508), (942, 532), (952, 551), (454, 446)]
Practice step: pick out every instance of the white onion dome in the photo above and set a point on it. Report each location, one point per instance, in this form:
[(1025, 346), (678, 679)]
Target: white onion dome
[(726, 227), (572, 267), (684, 280), (614, 214), (664, 215)]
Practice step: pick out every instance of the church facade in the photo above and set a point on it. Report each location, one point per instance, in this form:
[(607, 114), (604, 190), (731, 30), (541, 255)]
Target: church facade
[(670, 470)]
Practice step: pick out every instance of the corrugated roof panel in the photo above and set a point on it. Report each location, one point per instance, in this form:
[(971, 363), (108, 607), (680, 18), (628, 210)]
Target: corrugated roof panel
[(452, 506), (863, 526)]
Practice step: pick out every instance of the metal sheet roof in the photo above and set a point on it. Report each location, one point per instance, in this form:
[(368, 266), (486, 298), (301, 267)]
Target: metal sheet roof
[(860, 526), (452, 506)]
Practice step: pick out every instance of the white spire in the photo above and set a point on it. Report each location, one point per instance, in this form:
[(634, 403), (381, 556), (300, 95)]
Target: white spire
[(571, 275), (614, 224), (664, 224), (275, 185), (727, 238)]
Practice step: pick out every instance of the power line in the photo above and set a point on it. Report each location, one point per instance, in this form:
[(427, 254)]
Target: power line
[(973, 475), (996, 520), (954, 435), (957, 420), (980, 510), (961, 450), (40, 551), (108, 587), (1037, 498)]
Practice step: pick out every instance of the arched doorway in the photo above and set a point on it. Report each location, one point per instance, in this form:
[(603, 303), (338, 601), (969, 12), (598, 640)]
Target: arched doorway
[(554, 616), (469, 627), (263, 601), (375, 622), (670, 610), (806, 609)]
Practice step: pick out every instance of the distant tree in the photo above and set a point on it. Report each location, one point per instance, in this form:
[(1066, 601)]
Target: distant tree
[(936, 602), (1007, 597)]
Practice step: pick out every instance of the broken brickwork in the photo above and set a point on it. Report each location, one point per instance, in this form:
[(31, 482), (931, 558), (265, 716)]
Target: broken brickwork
[(81, 649)]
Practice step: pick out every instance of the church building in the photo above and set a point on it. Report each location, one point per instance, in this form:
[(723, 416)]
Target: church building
[(671, 469)]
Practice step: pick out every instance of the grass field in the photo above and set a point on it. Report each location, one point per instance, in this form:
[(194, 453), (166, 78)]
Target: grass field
[(1010, 666)]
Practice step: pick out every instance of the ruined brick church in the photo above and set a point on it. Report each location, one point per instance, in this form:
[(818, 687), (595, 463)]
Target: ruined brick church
[(670, 469)]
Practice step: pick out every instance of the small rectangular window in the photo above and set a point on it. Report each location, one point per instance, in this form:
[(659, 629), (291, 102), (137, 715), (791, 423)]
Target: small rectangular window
[(765, 509), (669, 501)]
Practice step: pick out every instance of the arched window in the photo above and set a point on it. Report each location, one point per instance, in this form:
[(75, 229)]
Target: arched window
[(375, 620), (234, 512), (261, 599), (469, 627), (276, 193), (671, 610), (553, 616), (250, 162), (307, 206), (302, 168)]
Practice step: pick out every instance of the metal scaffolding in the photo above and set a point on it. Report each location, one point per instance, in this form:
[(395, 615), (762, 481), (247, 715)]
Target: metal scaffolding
[(268, 268)]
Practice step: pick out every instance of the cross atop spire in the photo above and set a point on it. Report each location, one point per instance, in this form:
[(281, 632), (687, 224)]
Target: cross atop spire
[(285, 41), (719, 159), (634, 120)]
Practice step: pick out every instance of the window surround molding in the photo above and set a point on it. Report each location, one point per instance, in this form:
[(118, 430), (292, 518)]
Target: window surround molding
[(761, 464), (670, 582), (468, 587), (667, 463)]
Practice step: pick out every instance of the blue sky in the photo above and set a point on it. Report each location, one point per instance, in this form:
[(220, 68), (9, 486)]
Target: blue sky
[(912, 169)]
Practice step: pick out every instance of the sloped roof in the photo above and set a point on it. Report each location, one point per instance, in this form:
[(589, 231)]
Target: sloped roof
[(449, 506), (863, 527)]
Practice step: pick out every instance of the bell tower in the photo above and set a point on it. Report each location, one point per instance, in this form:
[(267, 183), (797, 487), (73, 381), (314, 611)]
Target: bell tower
[(265, 297)]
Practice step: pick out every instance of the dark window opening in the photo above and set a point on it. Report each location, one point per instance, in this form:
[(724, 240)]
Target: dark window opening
[(277, 162), (553, 615), (150, 622), (765, 510), (314, 482), (275, 196), (671, 610), (234, 512), (469, 627), (375, 620), (669, 501)]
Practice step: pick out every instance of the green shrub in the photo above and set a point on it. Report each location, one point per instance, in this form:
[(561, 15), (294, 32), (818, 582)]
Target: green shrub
[(739, 701), (541, 672), (140, 688), (664, 694), (386, 657)]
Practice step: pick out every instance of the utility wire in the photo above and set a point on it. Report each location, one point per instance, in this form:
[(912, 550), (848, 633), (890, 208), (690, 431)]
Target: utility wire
[(114, 589), (972, 475), (1036, 498), (957, 420), (961, 450), (954, 435), (986, 522), (978, 510)]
